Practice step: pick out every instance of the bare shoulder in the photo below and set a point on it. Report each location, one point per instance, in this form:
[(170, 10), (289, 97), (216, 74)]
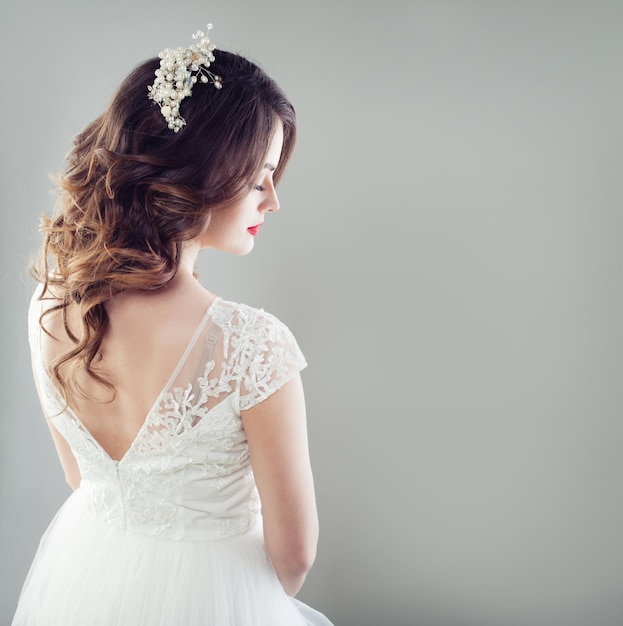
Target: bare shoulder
[(161, 319), (58, 321), (170, 311)]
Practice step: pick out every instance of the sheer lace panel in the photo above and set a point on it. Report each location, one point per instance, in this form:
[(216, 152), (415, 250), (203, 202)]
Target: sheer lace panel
[(187, 475)]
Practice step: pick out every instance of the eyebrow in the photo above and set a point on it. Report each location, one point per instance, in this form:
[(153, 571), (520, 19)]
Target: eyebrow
[(270, 167)]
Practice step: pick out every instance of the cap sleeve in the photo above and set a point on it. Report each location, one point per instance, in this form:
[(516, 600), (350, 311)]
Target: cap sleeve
[(34, 312), (271, 357)]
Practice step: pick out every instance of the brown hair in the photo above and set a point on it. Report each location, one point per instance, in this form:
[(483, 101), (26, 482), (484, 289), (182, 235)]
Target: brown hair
[(133, 191)]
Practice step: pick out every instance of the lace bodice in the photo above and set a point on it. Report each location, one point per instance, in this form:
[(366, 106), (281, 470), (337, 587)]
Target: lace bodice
[(187, 474)]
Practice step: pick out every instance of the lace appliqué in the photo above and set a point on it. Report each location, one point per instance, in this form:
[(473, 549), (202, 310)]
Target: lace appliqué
[(187, 475), (271, 356)]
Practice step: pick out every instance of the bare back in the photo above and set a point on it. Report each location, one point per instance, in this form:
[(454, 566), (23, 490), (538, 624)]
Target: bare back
[(146, 336)]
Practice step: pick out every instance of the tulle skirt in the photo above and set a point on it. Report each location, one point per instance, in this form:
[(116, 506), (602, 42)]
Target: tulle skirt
[(87, 573)]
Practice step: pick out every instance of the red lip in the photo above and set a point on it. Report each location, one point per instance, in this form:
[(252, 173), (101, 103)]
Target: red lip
[(254, 230)]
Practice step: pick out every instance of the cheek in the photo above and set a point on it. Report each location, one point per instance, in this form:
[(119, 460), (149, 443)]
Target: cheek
[(220, 221), (225, 226)]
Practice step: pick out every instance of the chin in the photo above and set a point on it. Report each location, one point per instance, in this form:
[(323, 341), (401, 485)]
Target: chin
[(243, 250), (237, 248)]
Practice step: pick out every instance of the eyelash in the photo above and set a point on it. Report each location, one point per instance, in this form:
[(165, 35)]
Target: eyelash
[(259, 188)]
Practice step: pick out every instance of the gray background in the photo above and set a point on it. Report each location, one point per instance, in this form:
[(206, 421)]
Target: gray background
[(448, 257)]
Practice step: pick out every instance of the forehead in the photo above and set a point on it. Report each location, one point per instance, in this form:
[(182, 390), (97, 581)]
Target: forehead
[(275, 147)]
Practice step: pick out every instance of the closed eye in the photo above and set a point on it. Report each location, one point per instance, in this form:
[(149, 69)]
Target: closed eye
[(259, 188)]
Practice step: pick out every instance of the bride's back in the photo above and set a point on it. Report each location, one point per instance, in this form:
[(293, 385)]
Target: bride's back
[(146, 335)]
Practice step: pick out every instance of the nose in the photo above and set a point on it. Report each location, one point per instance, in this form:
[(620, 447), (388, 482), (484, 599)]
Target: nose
[(271, 202), (275, 206)]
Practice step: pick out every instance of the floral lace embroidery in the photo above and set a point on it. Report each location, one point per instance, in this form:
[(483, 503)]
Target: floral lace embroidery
[(187, 475)]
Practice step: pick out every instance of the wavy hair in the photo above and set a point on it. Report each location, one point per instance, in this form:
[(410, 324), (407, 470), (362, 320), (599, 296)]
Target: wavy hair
[(133, 191)]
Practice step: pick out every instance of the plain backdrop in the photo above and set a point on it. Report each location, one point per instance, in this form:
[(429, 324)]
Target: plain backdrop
[(448, 256)]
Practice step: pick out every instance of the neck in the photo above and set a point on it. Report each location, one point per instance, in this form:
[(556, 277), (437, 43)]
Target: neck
[(184, 280), (190, 251)]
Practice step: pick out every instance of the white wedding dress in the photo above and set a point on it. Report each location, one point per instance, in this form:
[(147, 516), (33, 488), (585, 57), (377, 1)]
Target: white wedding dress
[(171, 534)]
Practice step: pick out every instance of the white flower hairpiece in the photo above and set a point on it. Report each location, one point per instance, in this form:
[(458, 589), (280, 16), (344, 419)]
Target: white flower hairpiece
[(178, 72)]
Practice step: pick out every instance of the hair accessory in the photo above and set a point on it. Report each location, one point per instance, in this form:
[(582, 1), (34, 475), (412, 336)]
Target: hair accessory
[(179, 70)]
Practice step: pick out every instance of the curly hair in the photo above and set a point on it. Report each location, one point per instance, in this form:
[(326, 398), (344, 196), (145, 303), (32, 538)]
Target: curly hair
[(133, 191)]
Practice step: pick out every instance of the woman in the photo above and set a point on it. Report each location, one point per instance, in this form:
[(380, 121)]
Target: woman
[(174, 413)]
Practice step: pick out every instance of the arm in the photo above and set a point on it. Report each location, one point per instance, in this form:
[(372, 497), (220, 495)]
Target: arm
[(276, 430), (66, 456)]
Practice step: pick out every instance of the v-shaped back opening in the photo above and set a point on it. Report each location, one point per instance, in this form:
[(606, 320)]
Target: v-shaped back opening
[(59, 404)]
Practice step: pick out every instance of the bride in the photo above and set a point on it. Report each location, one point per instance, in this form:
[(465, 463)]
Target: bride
[(179, 417)]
